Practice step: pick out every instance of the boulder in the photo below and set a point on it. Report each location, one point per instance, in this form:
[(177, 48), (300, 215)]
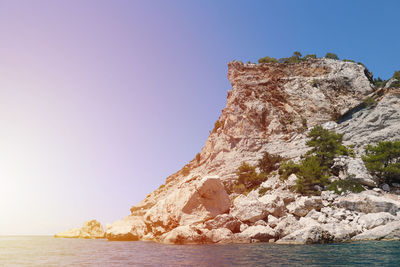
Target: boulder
[(272, 221), (308, 235), (276, 203), (345, 166), (386, 187), (129, 228), (342, 230), (303, 205), (186, 234), (220, 235), (389, 231), (371, 220), (258, 232), (224, 221), (249, 210), (370, 202), (191, 202), (291, 181), (287, 225)]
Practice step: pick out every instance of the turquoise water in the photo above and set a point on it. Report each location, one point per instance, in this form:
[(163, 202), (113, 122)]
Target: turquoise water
[(49, 251)]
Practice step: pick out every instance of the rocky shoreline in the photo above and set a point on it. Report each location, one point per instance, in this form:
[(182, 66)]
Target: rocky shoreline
[(270, 108)]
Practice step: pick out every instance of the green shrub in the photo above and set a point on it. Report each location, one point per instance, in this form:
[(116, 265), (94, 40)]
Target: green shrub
[(348, 60), (304, 123), (240, 189), (269, 163), (267, 60), (379, 82), (396, 76), (348, 184), (248, 176), (297, 54), (331, 56), (310, 56), (326, 145), (367, 73), (314, 82), (311, 173), (369, 101), (314, 168), (287, 168), (283, 60), (262, 191), (218, 124), (383, 160), (295, 58)]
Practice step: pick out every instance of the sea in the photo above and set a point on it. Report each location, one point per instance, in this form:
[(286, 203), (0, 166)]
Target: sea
[(50, 251)]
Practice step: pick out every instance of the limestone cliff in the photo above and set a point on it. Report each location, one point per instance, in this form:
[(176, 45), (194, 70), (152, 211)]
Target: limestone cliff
[(270, 108)]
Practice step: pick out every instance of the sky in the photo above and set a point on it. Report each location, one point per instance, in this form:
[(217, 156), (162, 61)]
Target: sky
[(101, 100)]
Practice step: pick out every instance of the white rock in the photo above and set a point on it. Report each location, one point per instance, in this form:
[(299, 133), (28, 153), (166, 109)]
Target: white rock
[(369, 202), (258, 232), (186, 234), (371, 220), (90, 229), (71, 233), (308, 235), (220, 235), (353, 167), (129, 228), (272, 221), (291, 181), (191, 203), (224, 221), (303, 205), (249, 210), (287, 225), (389, 231)]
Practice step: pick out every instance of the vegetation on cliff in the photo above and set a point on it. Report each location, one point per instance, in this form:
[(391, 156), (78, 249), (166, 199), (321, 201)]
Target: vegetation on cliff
[(249, 178), (314, 168), (383, 160)]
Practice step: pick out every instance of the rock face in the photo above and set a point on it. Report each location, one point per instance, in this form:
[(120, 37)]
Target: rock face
[(374, 124), (390, 231), (370, 202), (270, 108), (90, 229)]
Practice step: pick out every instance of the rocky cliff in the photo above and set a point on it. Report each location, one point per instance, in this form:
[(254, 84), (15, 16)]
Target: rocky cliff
[(271, 107)]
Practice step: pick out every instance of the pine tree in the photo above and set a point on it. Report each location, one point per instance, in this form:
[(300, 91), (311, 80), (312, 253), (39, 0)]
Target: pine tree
[(383, 160)]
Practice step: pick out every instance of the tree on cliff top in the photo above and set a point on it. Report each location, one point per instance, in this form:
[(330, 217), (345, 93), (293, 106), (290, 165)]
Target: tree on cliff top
[(331, 56)]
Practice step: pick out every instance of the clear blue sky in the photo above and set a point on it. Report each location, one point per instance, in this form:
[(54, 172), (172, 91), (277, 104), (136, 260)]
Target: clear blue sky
[(101, 100)]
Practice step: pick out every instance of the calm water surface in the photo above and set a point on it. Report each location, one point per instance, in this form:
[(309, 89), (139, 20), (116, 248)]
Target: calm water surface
[(49, 251)]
